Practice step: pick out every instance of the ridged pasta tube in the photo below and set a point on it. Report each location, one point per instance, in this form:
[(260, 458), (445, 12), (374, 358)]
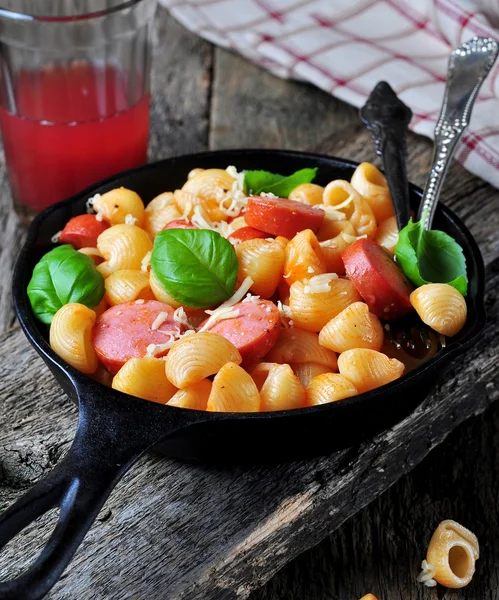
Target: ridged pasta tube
[(123, 247), (160, 211), (280, 388), (303, 257), (127, 285), (453, 552), (341, 195), (372, 185), (210, 188), (307, 193), (387, 235), (198, 356), (369, 369), (353, 327), (329, 387), (441, 307), (71, 337), (299, 346), (263, 261), (144, 378), (233, 390)]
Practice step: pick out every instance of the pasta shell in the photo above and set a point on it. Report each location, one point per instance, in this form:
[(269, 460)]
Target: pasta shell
[(353, 327), (307, 371), (236, 224), (387, 235), (299, 346), (341, 195), (144, 378), (263, 261), (453, 552), (332, 228), (369, 369), (194, 396), (233, 390), (304, 257), (332, 249), (71, 337), (127, 285), (280, 388), (160, 294), (160, 211), (441, 307), (372, 185), (123, 247), (329, 387), (198, 356), (193, 172), (211, 188), (94, 254), (307, 193), (311, 310), (119, 203)]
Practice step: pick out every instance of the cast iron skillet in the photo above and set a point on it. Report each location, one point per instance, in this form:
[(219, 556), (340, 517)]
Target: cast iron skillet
[(114, 429)]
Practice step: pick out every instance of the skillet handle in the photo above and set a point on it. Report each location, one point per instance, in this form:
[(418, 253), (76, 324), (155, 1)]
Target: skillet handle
[(105, 447)]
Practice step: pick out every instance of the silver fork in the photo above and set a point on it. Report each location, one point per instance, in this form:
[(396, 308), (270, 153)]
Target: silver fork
[(468, 66)]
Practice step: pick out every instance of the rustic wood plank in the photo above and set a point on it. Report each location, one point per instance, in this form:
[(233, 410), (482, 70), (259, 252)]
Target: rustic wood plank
[(177, 531), (253, 109)]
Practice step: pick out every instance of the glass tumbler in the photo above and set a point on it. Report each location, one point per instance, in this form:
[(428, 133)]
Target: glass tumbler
[(74, 94)]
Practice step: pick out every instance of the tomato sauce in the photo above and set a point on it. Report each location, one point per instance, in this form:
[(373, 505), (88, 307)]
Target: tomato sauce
[(74, 126)]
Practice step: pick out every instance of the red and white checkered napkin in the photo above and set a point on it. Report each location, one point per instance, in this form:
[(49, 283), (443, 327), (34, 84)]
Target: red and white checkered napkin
[(346, 46)]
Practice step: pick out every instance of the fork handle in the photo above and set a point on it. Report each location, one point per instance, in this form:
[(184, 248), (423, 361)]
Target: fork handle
[(468, 66)]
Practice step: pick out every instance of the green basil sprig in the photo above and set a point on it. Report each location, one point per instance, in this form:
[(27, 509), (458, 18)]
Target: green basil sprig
[(196, 267), (431, 257), (256, 182), (62, 276)]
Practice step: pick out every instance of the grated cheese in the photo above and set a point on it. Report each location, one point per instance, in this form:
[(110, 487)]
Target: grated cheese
[(310, 269), (146, 262), (90, 203), (55, 238), (343, 204), (362, 237), (319, 284), (250, 298), (224, 311), (268, 195), (236, 198), (179, 316), (286, 314), (201, 219), (159, 320), (130, 220), (331, 212), (426, 575), (155, 349), (140, 301)]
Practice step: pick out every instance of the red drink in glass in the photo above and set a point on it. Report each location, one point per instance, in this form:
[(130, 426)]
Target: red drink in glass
[(62, 143)]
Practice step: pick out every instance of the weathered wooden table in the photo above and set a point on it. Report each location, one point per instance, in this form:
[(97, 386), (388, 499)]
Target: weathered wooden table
[(177, 531)]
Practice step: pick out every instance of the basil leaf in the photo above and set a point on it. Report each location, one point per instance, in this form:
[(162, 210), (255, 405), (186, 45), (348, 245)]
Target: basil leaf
[(62, 276), (196, 267), (431, 257), (256, 182)]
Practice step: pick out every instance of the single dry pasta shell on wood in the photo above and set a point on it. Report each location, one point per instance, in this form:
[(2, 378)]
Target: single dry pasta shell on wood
[(127, 285), (307, 371), (117, 204), (441, 307), (453, 551), (233, 390), (331, 228), (123, 247), (194, 396), (263, 261), (279, 387), (312, 310), (353, 327), (342, 195), (372, 185), (303, 257), (197, 356), (211, 187), (307, 193), (299, 346), (160, 211), (329, 387), (71, 337), (369, 369), (144, 378), (94, 254), (387, 235)]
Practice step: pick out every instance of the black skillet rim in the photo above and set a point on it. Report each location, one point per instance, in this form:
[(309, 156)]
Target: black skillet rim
[(27, 320)]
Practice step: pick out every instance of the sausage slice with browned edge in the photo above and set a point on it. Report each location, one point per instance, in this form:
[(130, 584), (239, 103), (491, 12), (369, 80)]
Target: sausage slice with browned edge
[(379, 281), (254, 331), (124, 331), (243, 234), (279, 216), (82, 231)]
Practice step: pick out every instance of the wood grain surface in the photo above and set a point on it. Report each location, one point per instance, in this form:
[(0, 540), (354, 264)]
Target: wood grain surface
[(176, 531)]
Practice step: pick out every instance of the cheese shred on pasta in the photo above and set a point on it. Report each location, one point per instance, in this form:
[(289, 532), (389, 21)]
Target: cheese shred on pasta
[(224, 311), (319, 284)]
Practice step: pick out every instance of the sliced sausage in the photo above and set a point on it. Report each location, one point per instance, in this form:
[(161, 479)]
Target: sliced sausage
[(179, 224), (82, 231), (378, 279), (279, 216), (246, 233), (124, 331), (254, 331)]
